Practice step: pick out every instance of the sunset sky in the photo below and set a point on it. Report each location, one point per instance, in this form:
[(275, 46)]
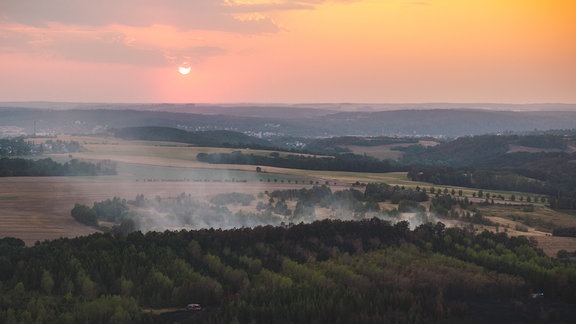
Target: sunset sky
[(283, 51)]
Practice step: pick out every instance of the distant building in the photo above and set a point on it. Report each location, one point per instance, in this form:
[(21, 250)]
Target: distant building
[(11, 131)]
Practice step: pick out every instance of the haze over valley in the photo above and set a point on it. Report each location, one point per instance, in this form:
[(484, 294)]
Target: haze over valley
[(277, 161)]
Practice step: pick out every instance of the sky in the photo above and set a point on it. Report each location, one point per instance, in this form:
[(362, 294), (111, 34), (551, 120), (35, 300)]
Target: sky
[(284, 51)]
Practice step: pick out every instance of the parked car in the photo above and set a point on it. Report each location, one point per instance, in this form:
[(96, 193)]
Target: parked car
[(193, 307)]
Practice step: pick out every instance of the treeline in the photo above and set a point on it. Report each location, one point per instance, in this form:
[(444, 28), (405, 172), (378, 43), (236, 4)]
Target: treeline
[(559, 184), (331, 271), (343, 162), (383, 192), (483, 179), (17, 147), (18, 167), (213, 138)]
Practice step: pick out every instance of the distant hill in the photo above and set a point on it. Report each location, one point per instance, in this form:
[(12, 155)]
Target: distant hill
[(493, 151), (538, 164), (249, 108), (447, 122), (270, 121)]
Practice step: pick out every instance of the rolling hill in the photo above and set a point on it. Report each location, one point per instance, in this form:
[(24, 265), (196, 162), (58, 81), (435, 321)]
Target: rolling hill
[(286, 121)]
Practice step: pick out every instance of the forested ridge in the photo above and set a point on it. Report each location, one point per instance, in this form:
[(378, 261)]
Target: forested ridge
[(330, 271), (487, 162)]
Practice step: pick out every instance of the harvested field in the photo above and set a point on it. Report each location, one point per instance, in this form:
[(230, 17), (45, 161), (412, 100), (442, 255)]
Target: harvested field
[(548, 243), (386, 151), (38, 208), (379, 152), (552, 244)]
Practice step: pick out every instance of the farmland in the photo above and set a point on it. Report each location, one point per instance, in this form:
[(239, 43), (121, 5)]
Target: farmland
[(37, 209)]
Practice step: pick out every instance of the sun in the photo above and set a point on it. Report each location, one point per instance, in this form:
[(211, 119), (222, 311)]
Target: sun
[(184, 69)]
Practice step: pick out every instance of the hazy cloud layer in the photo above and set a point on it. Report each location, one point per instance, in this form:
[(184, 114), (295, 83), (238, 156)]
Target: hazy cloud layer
[(103, 45), (217, 15), (104, 31)]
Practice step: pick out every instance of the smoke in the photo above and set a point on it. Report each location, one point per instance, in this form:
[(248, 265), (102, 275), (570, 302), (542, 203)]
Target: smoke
[(186, 212), (228, 211), (417, 219)]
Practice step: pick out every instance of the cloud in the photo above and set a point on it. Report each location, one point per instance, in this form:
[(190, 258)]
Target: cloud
[(136, 32), (184, 14), (104, 45)]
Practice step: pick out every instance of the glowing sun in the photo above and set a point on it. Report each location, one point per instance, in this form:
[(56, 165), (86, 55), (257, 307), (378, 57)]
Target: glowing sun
[(184, 69)]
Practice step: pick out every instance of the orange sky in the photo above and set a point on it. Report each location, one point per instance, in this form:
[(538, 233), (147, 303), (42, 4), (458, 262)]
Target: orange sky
[(512, 51)]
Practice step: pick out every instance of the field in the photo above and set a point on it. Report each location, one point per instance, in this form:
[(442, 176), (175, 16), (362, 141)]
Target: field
[(385, 151), (36, 209)]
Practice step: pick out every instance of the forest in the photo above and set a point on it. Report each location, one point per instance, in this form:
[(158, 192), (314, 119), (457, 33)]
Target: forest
[(341, 162), (18, 167), (365, 269), (330, 271)]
